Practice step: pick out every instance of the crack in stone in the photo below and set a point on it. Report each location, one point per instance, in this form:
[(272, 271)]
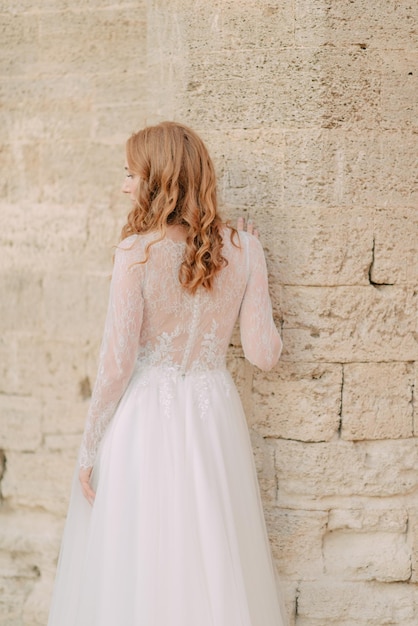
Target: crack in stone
[(340, 411), (2, 470), (297, 594), (371, 267), (412, 402)]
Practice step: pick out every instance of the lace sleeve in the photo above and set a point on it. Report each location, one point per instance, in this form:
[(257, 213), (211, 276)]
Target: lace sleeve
[(118, 350), (259, 336)]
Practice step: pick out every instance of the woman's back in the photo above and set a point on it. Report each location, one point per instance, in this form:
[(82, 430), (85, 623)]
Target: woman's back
[(192, 331)]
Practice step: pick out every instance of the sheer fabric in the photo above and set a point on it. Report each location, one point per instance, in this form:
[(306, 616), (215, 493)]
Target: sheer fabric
[(151, 320), (176, 535)]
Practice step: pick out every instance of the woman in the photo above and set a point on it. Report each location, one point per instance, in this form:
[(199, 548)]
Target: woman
[(171, 530)]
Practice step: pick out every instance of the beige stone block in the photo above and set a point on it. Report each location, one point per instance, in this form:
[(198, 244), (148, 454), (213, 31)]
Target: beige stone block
[(346, 604), (298, 401), (395, 247), (336, 168), (13, 593), (367, 520), (20, 419), (19, 53), (305, 87), (377, 401), (104, 224), (48, 108), (37, 605), (245, 89), (248, 166), (340, 468), (58, 6), (367, 556), (67, 443), (350, 324), (222, 24), (65, 417), (115, 123), (20, 167), (21, 310), (31, 541), (399, 107), (43, 236), (79, 172), (117, 33), (413, 541), (9, 375), (352, 81), (386, 25), (65, 305), (296, 540), (13, 566), (40, 480), (317, 245), (264, 462), (50, 368), (75, 305), (30, 537)]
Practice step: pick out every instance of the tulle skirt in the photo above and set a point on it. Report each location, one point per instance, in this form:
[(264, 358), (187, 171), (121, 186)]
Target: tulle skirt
[(176, 535)]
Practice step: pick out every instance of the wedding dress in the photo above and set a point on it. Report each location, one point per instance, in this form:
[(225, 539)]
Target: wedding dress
[(176, 535)]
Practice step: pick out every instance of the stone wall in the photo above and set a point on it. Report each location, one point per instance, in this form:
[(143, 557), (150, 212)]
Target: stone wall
[(310, 110)]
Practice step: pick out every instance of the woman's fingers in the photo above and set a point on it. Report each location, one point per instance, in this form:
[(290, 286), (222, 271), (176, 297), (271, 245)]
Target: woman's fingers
[(249, 226), (84, 476)]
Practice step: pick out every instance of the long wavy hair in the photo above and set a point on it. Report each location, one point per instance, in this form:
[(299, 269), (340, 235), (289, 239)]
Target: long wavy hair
[(177, 186)]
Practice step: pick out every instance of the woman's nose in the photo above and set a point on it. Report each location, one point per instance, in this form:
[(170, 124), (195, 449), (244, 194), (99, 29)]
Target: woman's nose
[(125, 187)]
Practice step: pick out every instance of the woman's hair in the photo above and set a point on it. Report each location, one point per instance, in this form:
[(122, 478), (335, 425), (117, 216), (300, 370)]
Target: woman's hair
[(177, 186)]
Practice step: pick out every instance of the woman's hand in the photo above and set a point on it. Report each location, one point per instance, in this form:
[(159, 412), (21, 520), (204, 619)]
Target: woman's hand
[(248, 226), (84, 477)]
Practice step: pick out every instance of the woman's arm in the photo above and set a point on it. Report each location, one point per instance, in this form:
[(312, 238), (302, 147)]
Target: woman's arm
[(118, 350), (260, 339)]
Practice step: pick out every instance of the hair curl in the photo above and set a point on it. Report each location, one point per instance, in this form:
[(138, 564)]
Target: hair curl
[(177, 186)]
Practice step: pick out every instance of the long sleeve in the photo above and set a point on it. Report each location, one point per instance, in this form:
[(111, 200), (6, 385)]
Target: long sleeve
[(259, 336), (118, 350)]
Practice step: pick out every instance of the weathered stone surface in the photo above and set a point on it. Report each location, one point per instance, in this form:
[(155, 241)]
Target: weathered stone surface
[(336, 168), (265, 466), (27, 471), (377, 401), (42, 236), (49, 368), (317, 246), (19, 53), (367, 520), (329, 602), (251, 25), (399, 107), (350, 324), (298, 401), (20, 289), (387, 24), (375, 555), (296, 539), (339, 468), (58, 54), (32, 540), (61, 417), (395, 249), (251, 182), (20, 419), (413, 540)]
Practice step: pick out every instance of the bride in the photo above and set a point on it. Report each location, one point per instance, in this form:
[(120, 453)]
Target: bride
[(165, 524)]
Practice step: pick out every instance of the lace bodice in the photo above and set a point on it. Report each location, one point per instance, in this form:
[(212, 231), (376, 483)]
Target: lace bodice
[(152, 320)]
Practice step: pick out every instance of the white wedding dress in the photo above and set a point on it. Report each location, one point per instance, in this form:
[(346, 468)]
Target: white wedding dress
[(176, 535)]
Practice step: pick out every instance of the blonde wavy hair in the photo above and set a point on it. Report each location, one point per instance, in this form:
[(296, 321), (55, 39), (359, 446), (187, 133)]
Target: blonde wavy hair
[(177, 186)]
